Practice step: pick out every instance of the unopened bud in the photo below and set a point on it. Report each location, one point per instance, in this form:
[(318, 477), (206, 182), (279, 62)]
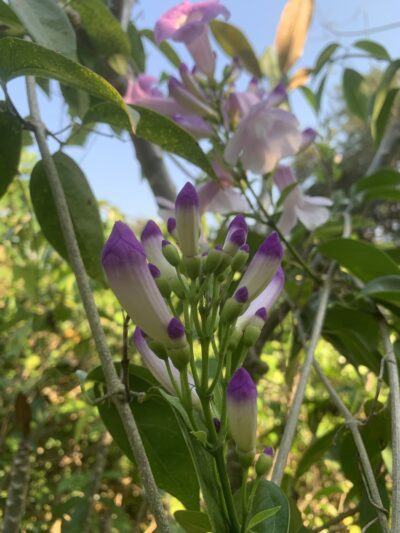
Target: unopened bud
[(212, 261), (158, 349), (171, 253), (180, 357), (241, 258), (264, 462), (192, 266)]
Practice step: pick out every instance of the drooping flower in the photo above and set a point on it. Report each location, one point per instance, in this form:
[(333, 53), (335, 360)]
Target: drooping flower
[(188, 23), (242, 413), (263, 266), (310, 210), (263, 137), (262, 304), (144, 92), (158, 368), (188, 220), (125, 264)]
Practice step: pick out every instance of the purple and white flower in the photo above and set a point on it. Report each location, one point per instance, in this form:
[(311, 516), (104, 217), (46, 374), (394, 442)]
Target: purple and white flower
[(236, 235), (311, 211), (188, 23), (152, 239), (187, 217), (144, 92)]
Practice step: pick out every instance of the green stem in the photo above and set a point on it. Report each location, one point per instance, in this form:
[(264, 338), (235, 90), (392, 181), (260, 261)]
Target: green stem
[(172, 379), (244, 499)]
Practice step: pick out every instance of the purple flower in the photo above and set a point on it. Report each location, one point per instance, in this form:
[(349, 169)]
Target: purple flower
[(190, 82), (277, 96), (125, 264), (158, 369), (263, 266), (236, 236), (195, 125), (263, 137), (188, 220), (307, 138), (188, 23), (310, 210), (242, 411), (262, 304), (152, 239), (143, 92)]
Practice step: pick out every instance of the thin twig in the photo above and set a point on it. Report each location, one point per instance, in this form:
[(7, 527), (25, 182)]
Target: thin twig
[(393, 373), (337, 519), (291, 422), (113, 382)]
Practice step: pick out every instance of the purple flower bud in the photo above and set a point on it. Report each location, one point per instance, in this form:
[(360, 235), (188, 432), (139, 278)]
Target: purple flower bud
[(154, 271), (188, 220), (217, 424), (171, 226), (218, 247), (236, 236), (152, 242), (242, 295), (126, 267), (263, 266), (277, 95), (269, 451), (262, 313), (242, 411), (307, 138), (190, 82), (175, 329), (245, 248)]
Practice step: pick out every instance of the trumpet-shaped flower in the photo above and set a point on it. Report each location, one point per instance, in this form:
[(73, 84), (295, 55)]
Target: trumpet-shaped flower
[(125, 264), (144, 92), (188, 23), (152, 239), (188, 101), (188, 220), (263, 266), (195, 125), (242, 412), (310, 210), (263, 137)]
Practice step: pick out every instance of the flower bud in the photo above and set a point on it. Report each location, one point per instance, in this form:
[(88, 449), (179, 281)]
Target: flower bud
[(240, 258), (212, 261), (171, 227), (192, 266), (188, 101), (188, 220), (236, 236), (242, 414), (264, 461), (152, 240), (234, 306), (170, 253)]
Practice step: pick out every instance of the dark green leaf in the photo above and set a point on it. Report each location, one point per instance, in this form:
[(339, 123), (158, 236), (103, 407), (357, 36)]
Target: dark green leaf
[(164, 47), (47, 24), (162, 437), (193, 521), (9, 22), (10, 146), (310, 97), (383, 178), (315, 452), (103, 29), (267, 496), (378, 126), (355, 93), (235, 44), (320, 92), (362, 259), (21, 58), (162, 131), (107, 113), (137, 50), (382, 91), (385, 288), (325, 56), (78, 101), (82, 206), (262, 515), (373, 48)]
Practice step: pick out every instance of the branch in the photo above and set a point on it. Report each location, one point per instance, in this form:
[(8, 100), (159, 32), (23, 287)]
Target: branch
[(337, 519), (393, 373), (18, 489), (291, 422), (352, 423), (114, 385)]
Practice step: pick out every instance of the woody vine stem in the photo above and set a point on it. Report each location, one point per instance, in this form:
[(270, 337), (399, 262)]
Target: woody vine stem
[(114, 386)]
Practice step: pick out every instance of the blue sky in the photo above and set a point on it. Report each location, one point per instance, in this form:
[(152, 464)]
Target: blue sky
[(110, 164)]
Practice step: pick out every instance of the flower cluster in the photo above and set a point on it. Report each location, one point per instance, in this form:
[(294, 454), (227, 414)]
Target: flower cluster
[(157, 281), (247, 129)]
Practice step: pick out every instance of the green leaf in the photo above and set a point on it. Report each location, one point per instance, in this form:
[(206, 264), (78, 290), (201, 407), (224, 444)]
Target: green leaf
[(385, 288), (235, 44), (107, 113), (103, 29), (269, 65), (378, 126), (162, 131), (383, 178), (21, 58), (362, 259), (9, 22), (137, 51), (373, 48), (47, 24), (10, 146), (261, 516), (193, 521), (162, 437), (355, 93), (164, 47), (316, 451), (382, 91), (325, 56), (269, 496), (310, 97), (82, 206)]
